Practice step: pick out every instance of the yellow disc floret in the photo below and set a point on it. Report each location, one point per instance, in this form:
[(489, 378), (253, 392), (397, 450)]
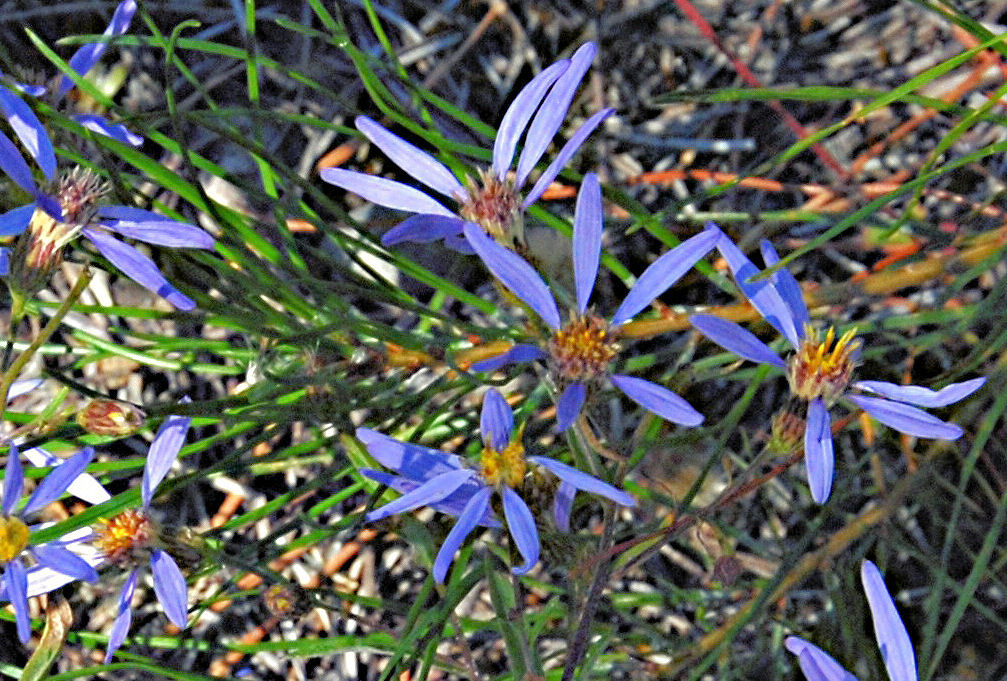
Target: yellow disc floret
[(127, 538), (583, 348), (13, 538), (507, 467), (822, 368)]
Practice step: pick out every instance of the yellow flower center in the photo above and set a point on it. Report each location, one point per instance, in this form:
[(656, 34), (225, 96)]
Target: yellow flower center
[(582, 350), (13, 538), (507, 467), (822, 368), (494, 205), (127, 538)]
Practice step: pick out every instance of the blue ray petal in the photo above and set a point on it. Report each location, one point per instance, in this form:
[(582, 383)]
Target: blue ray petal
[(657, 399), (515, 273), (521, 525), (496, 421), (818, 455), (470, 517)]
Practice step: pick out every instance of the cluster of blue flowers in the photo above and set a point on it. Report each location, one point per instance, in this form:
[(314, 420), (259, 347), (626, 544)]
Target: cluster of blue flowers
[(578, 352)]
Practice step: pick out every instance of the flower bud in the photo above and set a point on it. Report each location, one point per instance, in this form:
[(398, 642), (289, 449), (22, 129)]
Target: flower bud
[(788, 429), (111, 418), (39, 249), (287, 600)]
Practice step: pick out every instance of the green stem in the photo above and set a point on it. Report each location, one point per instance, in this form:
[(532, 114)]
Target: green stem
[(15, 368)]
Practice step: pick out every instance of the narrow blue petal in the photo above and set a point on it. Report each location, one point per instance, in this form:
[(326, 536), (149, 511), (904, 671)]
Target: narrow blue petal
[(137, 267), (411, 159), (521, 525), (787, 286), (515, 273), (562, 505), (88, 55), (28, 89), (170, 588), (29, 130), (61, 477), (827, 669), (657, 399), (818, 455), (152, 228), (923, 397), (13, 481), (518, 114), (423, 229), (384, 192), (50, 205), (664, 272), (85, 487), (587, 226), (23, 387), (17, 589), (125, 617), (762, 294), (412, 461), (427, 494), (496, 421), (584, 481), (553, 111), (889, 630), (565, 154), (16, 220), (738, 340), (4, 261), (459, 244), (55, 557), (452, 505), (12, 163), (470, 517), (812, 668), (516, 355), (569, 404), (43, 579), (907, 419), (163, 452), (116, 131)]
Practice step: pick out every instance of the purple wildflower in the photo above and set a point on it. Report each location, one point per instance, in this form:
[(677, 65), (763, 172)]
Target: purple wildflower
[(72, 208), (26, 125), (581, 350), (131, 539), (890, 632), (492, 202), (15, 534), (820, 369), (427, 477)]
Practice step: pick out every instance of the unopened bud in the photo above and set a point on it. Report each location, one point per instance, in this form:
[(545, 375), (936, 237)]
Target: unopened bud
[(788, 429), (111, 418), (287, 600)]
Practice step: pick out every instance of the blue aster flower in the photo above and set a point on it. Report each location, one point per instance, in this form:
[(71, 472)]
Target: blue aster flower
[(132, 539), (26, 125), (71, 207), (427, 477), (15, 535), (580, 351), (492, 202), (821, 368), (893, 639)]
